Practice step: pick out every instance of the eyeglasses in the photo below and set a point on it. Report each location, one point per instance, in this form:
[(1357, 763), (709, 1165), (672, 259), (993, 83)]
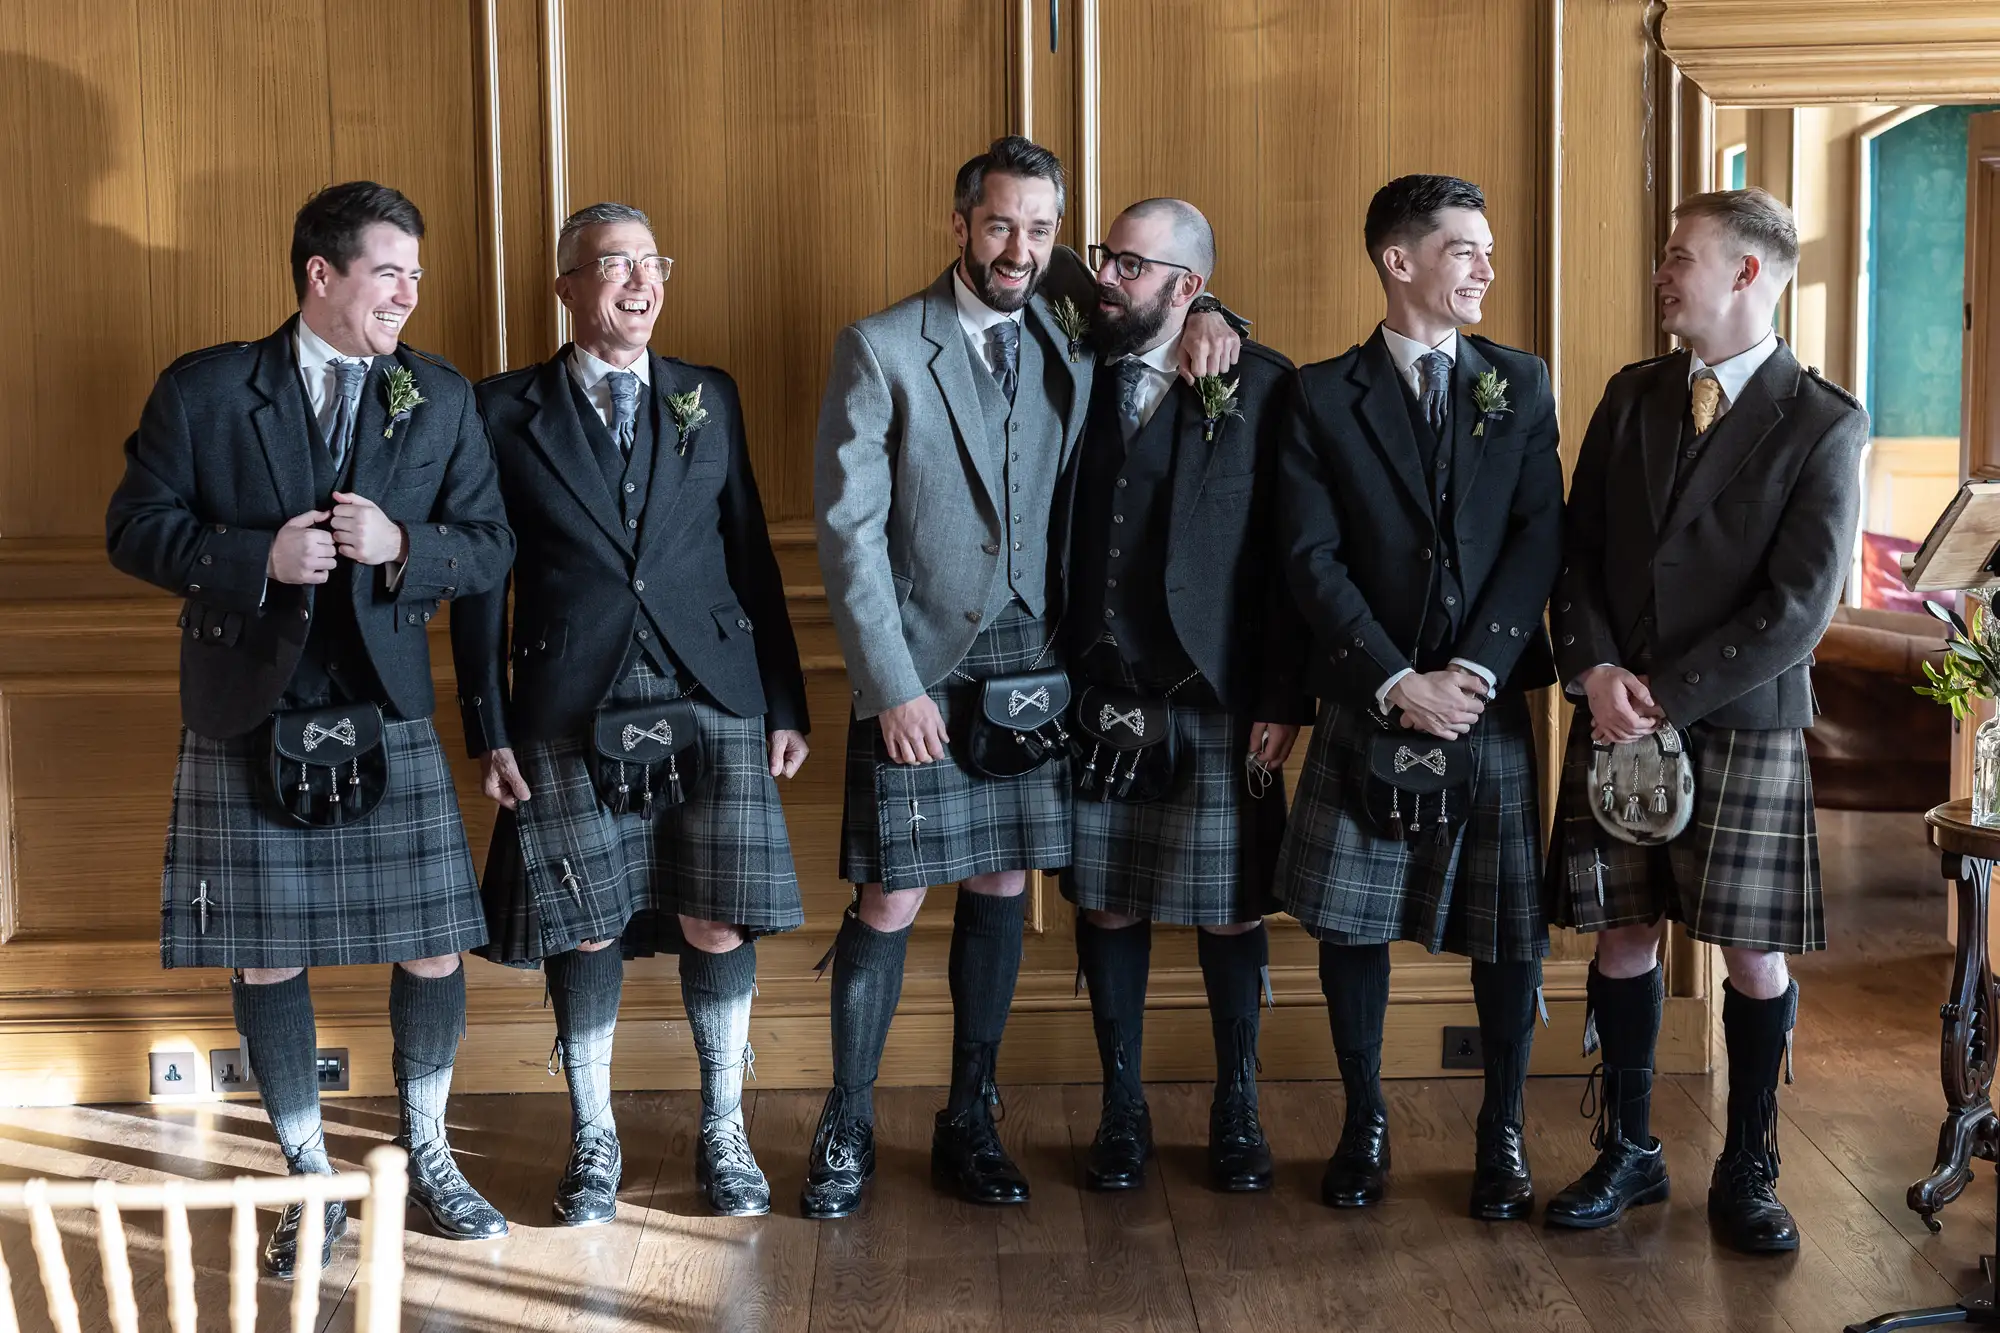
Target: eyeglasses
[(1130, 265), (618, 268)]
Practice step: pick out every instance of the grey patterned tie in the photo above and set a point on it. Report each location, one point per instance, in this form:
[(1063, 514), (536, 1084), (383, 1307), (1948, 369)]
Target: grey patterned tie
[(1131, 374), (350, 375), (624, 406), (1434, 369), (1005, 361)]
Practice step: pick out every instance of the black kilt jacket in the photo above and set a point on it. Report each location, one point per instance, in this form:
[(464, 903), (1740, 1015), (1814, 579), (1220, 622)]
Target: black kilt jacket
[(1730, 584), (222, 460), (699, 571), (1364, 549)]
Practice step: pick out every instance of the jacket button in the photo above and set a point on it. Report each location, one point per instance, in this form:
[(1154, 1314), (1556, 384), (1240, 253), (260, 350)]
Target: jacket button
[(541, 645), (443, 530), (1729, 650), (743, 624), (413, 617), (194, 587), (973, 616), (645, 634), (208, 560), (1514, 632), (215, 632), (632, 523), (630, 487), (1563, 607), (1493, 628), (1424, 554), (991, 548), (1569, 640), (638, 585), (477, 701), (1761, 622), (427, 617), (194, 633), (1358, 642), (451, 563), (1340, 656), (221, 529), (305, 615), (1692, 678), (449, 589)]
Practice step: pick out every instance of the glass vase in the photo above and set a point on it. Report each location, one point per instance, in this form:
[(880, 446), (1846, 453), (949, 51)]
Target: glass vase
[(1986, 773)]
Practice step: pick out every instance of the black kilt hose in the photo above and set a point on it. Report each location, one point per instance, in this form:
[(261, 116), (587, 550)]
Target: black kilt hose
[(1745, 872), (246, 887), (563, 869), (1479, 896), (909, 826), (1204, 854)]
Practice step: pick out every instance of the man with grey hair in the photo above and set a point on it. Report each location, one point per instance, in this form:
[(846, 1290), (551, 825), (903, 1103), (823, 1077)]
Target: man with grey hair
[(656, 697), (1189, 649), (1710, 522), (948, 422)]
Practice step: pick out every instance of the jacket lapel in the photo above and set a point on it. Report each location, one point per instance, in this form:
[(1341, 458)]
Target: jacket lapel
[(670, 466), (1386, 418), (280, 420), (558, 436), (375, 458), (1055, 346), (1467, 450), (1193, 455), (951, 366), (1742, 429), (1660, 433)]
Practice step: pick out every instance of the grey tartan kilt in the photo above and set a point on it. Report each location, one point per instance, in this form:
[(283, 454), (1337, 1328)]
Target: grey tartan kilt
[(909, 826), (1744, 874), (1202, 855), (1479, 896), (563, 869), (394, 886)]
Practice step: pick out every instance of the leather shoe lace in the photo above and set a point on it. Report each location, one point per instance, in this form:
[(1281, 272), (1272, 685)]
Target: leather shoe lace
[(728, 1171)]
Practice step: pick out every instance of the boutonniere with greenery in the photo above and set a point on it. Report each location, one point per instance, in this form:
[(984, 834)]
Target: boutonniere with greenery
[(1971, 662), (1073, 322), (689, 416), (1218, 400), (404, 398), (1489, 395)]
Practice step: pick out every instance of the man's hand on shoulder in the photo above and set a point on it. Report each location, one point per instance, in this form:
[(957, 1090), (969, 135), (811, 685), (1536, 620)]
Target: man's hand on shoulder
[(1209, 346)]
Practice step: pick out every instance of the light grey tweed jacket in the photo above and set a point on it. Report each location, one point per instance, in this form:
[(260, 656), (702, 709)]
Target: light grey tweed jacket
[(905, 489)]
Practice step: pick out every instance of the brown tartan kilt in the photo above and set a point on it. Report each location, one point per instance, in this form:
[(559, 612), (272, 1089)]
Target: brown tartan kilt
[(1745, 872)]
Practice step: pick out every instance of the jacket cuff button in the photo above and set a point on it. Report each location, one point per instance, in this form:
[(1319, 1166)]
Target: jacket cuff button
[(1569, 640), (1729, 650), (1692, 678), (1494, 628)]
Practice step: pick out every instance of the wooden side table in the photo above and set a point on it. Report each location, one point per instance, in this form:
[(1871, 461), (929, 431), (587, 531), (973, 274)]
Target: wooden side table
[(1965, 1058)]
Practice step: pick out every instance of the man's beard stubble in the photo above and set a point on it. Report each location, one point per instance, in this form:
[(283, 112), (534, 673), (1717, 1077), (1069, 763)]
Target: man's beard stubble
[(995, 296), (1134, 328)]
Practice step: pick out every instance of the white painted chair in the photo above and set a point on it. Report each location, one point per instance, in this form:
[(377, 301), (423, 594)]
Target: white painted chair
[(378, 1283)]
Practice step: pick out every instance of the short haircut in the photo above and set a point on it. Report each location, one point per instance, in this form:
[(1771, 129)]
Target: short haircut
[(1194, 238), (597, 215), (1756, 218), (1009, 155), (1406, 210), (331, 222)]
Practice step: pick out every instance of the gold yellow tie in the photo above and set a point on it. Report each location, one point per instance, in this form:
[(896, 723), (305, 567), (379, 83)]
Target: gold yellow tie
[(1707, 401)]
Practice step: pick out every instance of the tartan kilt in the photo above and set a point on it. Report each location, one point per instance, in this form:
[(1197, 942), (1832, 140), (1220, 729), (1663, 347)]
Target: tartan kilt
[(395, 886), (1479, 896), (724, 854), (963, 824), (1745, 872), (1202, 855)]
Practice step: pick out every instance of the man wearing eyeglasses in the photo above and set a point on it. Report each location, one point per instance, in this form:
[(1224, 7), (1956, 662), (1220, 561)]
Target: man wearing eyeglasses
[(946, 426), (1422, 503), (647, 602), (1177, 609)]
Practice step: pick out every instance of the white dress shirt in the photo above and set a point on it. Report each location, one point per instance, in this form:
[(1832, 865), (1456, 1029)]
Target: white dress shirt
[(1162, 365), (976, 317), (317, 360), (1404, 353), (1734, 374), (593, 375)]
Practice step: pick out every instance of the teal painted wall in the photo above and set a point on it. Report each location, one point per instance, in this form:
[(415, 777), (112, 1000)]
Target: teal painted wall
[(1916, 273)]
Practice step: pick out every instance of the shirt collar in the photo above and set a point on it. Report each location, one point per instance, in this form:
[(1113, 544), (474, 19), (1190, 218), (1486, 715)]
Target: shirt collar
[(315, 352), (590, 370), (1162, 360), (1734, 373), (974, 315), (1403, 352)]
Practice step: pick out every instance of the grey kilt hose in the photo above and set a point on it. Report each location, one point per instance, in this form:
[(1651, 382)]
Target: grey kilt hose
[(1203, 855), (564, 869), (1479, 896), (1744, 874), (246, 887), (909, 826)]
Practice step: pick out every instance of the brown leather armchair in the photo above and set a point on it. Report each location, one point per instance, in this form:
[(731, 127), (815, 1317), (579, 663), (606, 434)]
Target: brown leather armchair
[(1878, 745)]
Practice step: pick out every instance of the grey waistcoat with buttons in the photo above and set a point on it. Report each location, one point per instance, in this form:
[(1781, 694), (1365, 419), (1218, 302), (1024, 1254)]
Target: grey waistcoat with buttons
[(1024, 443)]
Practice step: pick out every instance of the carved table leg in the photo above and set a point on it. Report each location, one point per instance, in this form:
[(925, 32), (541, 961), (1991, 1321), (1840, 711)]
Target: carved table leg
[(1966, 1055)]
